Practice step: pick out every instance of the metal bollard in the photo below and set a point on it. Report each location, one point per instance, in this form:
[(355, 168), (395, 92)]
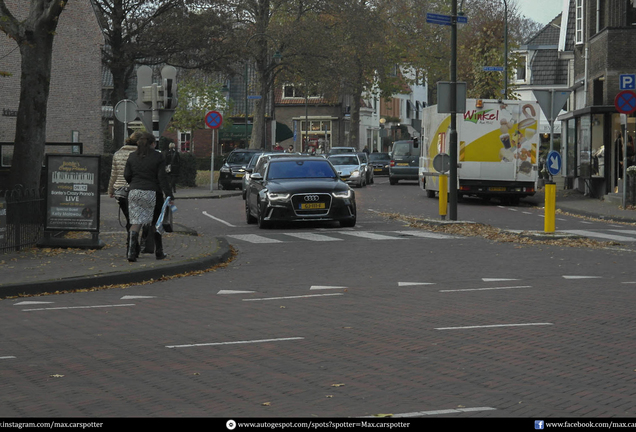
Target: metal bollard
[(443, 195), (550, 207)]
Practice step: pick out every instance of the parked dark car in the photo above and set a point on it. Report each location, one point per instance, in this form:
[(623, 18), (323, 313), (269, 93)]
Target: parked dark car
[(232, 172), (303, 188), (380, 163), (405, 161)]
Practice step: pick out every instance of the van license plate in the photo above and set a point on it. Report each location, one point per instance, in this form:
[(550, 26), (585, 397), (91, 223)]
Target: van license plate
[(497, 189)]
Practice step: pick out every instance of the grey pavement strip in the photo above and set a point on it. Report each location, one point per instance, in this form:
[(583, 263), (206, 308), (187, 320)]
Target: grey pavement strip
[(438, 412)]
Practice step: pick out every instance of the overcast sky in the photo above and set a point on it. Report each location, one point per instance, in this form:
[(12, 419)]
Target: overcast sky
[(542, 11)]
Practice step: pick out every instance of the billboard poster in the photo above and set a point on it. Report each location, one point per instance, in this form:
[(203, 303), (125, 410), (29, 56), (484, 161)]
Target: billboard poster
[(3, 220), (72, 192)]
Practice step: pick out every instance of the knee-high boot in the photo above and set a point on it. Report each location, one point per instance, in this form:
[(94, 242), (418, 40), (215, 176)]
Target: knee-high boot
[(133, 246), (159, 247)]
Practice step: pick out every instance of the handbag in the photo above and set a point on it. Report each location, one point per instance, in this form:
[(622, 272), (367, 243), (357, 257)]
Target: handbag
[(164, 222), (121, 193), (168, 168)]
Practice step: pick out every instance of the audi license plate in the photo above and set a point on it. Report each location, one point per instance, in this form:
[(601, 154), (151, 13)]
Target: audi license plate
[(312, 206)]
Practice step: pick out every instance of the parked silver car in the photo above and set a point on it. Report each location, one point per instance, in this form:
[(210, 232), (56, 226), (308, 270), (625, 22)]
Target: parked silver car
[(350, 168)]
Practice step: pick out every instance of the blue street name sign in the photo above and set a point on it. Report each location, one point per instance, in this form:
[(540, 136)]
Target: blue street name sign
[(493, 68), (255, 97), (440, 19)]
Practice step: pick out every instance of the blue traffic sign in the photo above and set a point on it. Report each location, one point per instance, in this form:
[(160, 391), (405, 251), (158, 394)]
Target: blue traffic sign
[(213, 119), (493, 68), (625, 102), (440, 19), (627, 82), (553, 163)]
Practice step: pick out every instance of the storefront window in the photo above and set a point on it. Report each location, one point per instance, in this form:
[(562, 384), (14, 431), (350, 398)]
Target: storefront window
[(571, 147), (597, 162), (584, 142)]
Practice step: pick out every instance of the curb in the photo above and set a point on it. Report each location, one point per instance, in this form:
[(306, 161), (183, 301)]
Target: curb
[(220, 255)]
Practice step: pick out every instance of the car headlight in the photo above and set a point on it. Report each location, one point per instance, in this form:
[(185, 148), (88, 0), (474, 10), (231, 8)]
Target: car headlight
[(277, 196), (355, 173), (225, 169), (343, 194)]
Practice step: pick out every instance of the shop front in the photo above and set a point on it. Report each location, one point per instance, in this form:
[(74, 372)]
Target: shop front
[(313, 133), (592, 149)]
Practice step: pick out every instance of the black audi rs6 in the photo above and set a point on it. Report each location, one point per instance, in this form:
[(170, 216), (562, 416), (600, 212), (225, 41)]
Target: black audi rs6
[(302, 188)]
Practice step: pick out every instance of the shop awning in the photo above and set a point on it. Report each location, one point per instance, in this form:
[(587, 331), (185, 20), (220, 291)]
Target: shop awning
[(235, 132), (283, 132)]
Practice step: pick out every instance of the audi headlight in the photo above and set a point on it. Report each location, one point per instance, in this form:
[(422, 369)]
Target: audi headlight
[(343, 194), (277, 196)]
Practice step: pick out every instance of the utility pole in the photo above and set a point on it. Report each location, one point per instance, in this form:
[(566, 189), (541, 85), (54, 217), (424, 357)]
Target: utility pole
[(452, 202)]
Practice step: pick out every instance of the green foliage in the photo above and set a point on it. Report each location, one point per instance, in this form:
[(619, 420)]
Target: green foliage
[(198, 95)]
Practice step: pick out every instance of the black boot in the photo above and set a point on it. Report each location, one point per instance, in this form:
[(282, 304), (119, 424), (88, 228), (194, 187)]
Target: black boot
[(159, 247), (146, 242), (133, 246)]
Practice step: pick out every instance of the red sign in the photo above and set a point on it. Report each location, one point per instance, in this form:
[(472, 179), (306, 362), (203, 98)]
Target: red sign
[(213, 120), (625, 102)]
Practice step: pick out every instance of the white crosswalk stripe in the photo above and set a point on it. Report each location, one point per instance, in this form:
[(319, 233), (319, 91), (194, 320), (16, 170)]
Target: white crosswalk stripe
[(603, 235), (340, 235)]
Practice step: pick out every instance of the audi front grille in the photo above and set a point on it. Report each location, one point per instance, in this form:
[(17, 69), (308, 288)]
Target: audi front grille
[(311, 204)]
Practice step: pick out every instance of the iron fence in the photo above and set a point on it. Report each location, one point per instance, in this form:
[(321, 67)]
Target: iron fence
[(22, 224)]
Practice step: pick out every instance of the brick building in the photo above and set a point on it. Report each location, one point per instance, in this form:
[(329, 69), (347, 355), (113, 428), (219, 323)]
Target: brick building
[(598, 40), (74, 106)]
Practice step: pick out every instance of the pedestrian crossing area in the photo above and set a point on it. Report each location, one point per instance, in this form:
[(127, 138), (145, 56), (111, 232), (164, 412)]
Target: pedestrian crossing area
[(338, 236), (626, 236)]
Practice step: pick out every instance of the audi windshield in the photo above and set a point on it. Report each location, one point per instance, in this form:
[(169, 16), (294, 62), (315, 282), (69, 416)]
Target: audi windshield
[(300, 169)]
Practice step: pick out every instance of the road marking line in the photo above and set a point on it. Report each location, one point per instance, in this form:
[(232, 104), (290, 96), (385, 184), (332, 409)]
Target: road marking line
[(254, 238), (293, 297), (7, 357), (625, 231), (312, 236), (600, 235), (486, 289), (133, 297), (582, 277), (427, 234), (235, 292), (219, 220), (415, 283), (24, 303), (77, 307), (497, 279), (440, 412), (234, 343), (320, 287), (493, 326), (370, 235)]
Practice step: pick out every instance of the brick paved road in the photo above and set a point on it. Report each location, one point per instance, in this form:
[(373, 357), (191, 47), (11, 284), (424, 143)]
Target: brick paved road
[(374, 346)]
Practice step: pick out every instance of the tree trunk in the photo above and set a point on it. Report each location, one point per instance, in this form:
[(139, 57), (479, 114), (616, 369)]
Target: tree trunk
[(30, 136)]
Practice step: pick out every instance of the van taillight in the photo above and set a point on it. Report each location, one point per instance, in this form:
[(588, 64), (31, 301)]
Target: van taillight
[(392, 163)]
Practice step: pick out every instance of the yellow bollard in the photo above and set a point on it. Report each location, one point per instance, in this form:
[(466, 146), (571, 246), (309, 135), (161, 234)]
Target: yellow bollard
[(550, 207), (443, 195)]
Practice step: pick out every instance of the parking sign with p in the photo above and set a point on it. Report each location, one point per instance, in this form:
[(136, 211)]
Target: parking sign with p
[(627, 82)]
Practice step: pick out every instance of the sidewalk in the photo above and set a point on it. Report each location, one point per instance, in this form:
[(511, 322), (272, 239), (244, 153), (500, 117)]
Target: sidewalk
[(38, 271), (49, 270)]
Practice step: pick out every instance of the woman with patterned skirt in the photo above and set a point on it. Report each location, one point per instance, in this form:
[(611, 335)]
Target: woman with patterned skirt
[(145, 172)]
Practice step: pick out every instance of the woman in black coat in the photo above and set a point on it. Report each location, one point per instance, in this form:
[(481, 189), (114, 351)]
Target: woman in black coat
[(145, 172)]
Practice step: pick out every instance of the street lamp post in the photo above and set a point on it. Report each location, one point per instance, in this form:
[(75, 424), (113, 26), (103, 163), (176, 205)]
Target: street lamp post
[(505, 95)]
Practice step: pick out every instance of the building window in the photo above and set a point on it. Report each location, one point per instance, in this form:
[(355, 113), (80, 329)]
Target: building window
[(579, 33), (184, 141), (521, 70), (291, 91)]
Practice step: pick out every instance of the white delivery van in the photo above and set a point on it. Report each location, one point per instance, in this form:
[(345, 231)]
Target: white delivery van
[(497, 149)]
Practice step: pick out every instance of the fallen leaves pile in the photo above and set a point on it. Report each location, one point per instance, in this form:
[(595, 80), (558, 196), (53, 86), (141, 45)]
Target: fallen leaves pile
[(496, 234)]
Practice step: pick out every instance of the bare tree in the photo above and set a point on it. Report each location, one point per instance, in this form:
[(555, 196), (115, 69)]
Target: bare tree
[(34, 36)]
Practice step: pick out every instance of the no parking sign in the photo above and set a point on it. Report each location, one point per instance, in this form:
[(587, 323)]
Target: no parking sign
[(213, 119)]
